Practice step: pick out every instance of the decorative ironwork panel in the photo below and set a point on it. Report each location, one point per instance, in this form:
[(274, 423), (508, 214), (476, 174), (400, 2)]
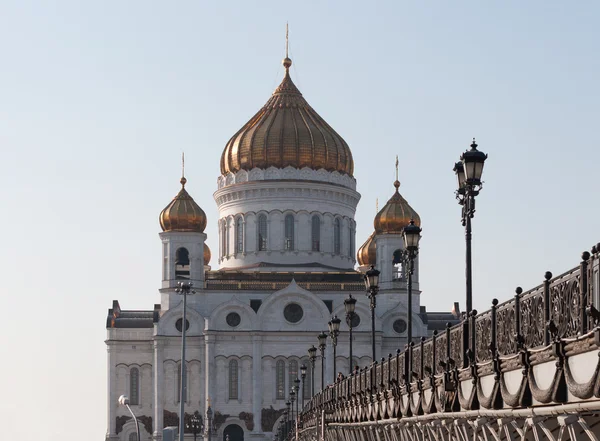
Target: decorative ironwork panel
[(401, 365), (416, 360), (394, 369), (440, 352), (386, 373), (505, 328), (533, 325), (483, 337), (428, 357), (456, 349), (565, 306), (378, 375)]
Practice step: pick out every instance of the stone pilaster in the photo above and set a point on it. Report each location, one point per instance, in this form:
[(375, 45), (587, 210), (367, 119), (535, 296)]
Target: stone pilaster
[(112, 393), (209, 365), (257, 381), (158, 376)]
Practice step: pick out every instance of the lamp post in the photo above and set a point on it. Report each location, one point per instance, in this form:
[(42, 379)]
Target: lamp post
[(322, 344), (312, 356), (303, 376), (350, 306), (334, 331), (293, 400), (411, 234), (124, 401), (372, 285), (287, 417), (185, 289), (195, 425), (209, 421), (468, 174)]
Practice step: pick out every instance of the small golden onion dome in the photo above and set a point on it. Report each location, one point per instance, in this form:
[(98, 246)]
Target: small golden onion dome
[(183, 214), (207, 254), (287, 132), (395, 215), (366, 254)]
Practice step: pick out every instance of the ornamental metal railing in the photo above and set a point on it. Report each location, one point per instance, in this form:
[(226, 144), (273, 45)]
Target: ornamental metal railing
[(561, 311)]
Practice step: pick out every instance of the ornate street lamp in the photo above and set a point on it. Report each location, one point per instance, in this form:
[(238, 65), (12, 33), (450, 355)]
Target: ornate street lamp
[(322, 344), (287, 417), (124, 401), (468, 174), (350, 306), (303, 376), (195, 424), (372, 285), (209, 421), (312, 356), (334, 331), (185, 289), (411, 234), (293, 400)]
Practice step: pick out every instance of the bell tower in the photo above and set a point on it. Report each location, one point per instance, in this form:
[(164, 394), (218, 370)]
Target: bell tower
[(183, 223)]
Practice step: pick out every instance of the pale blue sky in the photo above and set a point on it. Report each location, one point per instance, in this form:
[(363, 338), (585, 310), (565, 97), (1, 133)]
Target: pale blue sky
[(98, 99)]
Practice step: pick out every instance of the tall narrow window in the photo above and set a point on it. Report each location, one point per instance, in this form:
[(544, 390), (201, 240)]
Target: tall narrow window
[(182, 263), (262, 232), (228, 237), (223, 239), (233, 380), (179, 384), (307, 380), (280, 380), (289, 232), (239, 235), (397, 266), (351, 239), (316, 233), (165, 261), (134, 386), (292, 373), (337, 236)]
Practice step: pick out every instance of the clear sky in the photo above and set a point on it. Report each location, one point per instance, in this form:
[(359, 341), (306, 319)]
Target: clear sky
[(99, 99)]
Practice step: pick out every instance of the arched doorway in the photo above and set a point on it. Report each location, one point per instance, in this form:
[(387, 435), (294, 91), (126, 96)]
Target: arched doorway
[(235, 432)]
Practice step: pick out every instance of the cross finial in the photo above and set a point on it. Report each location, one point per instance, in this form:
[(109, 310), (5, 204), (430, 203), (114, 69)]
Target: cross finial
[(396, 167), (183, 180), (377, 205), (286, 39)]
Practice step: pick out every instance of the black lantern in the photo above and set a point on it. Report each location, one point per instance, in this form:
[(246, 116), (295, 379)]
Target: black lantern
[(372, 279), (459, 170), (350, 304), (473, 161), (322, 340), (411, 235), (312, 356)]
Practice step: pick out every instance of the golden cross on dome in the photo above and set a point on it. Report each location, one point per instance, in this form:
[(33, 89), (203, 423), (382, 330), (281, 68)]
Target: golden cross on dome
[(286, 39), (182, 164), (377, 205), (396, 167)]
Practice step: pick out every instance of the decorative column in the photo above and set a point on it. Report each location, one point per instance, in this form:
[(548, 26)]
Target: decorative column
[(112, 395), (158, 375), (257, 383)]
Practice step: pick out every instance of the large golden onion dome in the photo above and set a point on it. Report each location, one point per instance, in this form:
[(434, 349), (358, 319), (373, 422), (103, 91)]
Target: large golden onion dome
[(395, 215), (287, 132), (183, 214), (366, 254), (207, 254)]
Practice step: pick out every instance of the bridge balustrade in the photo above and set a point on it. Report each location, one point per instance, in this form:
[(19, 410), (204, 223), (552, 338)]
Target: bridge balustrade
[(526, 355)]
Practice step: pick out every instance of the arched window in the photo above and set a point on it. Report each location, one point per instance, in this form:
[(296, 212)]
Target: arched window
[(397, 266), (289, 232), (307, 380), (280, 380), (178, 387), (316, 233), (239, 235), (233, 380), (292, 373), (223, 239), (262, 232), (133, 437), (351, 239), (134, 386), (337, 228), (228, 237), (182, 263)]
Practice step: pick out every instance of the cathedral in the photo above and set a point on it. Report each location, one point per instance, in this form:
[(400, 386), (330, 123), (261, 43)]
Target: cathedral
[(286, 199)]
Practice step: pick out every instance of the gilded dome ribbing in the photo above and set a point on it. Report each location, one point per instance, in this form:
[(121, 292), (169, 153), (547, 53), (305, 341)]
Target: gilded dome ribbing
[(395, 215), (183, 214), (287, 132), (367, 253)]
